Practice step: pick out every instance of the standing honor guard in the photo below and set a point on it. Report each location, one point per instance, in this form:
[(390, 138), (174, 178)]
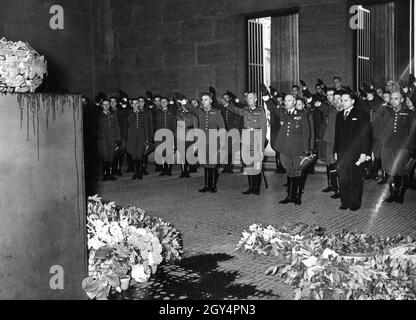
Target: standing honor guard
[(352, 149), (398, 144), (108, 136), (254, 119), (166, 119), (138, 135), (293, 143), (231, 121), (208, 119), (189, 122)]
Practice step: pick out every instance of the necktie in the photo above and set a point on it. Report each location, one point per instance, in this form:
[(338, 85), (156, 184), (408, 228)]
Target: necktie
[(346, 114)]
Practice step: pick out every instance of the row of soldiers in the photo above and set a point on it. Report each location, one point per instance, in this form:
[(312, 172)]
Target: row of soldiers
[(302, 124)]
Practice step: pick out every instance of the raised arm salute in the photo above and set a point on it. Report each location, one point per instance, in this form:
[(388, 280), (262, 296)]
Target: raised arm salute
[(254, 118)]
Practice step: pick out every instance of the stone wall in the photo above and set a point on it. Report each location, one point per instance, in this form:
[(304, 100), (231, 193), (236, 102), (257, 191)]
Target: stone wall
[(188, 45)]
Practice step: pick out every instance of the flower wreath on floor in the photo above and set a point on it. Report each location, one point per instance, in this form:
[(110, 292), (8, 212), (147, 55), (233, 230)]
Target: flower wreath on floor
[(125, 243), (345, 265)]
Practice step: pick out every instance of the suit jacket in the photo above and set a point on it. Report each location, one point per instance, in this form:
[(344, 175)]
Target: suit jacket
[(352, 136)]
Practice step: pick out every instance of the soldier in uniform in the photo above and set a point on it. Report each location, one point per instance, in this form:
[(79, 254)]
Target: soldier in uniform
[(208, 119), (166, 119), (254, 118), (231, 121), (293, 143), (352, 148), (398, 144), (274, 131), (149, 113), (108, 136), (189, 122), (138, 135), (154, 110)]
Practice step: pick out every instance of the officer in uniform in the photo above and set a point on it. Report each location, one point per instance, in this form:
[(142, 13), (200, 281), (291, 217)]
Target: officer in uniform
[(208, 119), (352, 149), (166, 119), (274, 130), (231, 121), (138, 135), (154, 110), (149, 113), (293, 143), (254, 118), (108, 136), (398, 144), (189, 122)]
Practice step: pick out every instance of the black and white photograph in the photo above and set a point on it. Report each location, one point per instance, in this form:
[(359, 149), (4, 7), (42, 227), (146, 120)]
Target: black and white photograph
[(205, 156)]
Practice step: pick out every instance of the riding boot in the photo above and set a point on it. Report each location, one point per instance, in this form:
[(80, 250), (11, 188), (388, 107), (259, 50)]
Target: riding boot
[(120, 165), (210, 178), (289, 191), (250, 185), (295, 190), (163, 171), (376, 168), (136, 169), (130, 164), (329, 188), (256, 184), (158, 168), (186, 169), (205, 188), (140, 169), (393, 190), (105, 173), (114, 167), (215, 175), (301, 187), (403, 180), (109, 173), (145, 162)]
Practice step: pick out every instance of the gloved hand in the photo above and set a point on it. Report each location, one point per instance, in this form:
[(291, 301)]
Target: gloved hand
[(264, 91), (303, 83), (273, 91), (212, 91)]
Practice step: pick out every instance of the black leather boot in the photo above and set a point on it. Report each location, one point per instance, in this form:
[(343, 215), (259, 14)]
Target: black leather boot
[(186, 169), (403, 185), (256, 184), (140, 169), (136, 169), (163, 171), (182, 171), (289, 192), (130, 164), (205, 188), (145, 162), (169, 169), (105, 173), (109, 169), (250, 185), (393, 186), (295, 191), (215, 175), (329, 188)]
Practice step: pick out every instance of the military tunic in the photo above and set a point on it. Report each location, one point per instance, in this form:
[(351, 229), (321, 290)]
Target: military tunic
[(293, 141), (186, 121), (208, 120), (108, 133), (398, 139), (138, 133)]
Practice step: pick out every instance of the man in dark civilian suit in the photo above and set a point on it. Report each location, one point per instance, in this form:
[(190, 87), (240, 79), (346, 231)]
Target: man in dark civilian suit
[(352, 147)]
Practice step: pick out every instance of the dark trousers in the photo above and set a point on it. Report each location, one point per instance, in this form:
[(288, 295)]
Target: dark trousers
[(351, 180)]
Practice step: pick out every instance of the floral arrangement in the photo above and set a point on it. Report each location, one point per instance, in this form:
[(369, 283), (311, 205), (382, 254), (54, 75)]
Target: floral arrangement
[(346, 265), (21, 68), (124, 243)]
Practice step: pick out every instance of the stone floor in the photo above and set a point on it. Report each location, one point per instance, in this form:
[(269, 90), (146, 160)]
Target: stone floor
[(212, 225)]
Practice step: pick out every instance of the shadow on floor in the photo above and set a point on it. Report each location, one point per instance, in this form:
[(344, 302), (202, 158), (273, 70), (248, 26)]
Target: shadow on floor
[(195, 278)]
